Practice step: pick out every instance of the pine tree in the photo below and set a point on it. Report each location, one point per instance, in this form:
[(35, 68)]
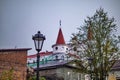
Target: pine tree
[(96, 41)]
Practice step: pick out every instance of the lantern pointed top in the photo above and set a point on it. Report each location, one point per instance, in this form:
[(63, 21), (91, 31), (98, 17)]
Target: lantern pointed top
[(39, 35)]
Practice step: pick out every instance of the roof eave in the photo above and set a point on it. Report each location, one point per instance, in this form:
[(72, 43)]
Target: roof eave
[(15, 49)]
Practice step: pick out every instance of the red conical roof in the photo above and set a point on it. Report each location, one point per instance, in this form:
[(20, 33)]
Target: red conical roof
[(60, 38), (89, 36)]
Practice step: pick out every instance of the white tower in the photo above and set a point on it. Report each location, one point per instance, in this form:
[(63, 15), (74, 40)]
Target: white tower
[(60, 48)]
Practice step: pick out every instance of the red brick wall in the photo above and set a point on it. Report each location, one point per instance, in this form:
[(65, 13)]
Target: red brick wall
[(16, 60)]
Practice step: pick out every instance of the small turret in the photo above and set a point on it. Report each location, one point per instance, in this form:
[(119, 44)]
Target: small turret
[(60, 46)]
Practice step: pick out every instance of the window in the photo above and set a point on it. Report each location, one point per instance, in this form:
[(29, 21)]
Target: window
[(66, 48), (42, 61), (56, 57), (28, 62), (62, 57), (33, 61), (56, 48)]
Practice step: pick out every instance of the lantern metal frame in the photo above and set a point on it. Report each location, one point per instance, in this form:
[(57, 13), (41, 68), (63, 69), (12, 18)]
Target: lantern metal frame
[(38, 42)]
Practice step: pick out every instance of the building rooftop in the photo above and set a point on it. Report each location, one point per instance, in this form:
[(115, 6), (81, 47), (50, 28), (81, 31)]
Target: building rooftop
[(55, 64), (60, 38), (15, 49), (41, 54), (116, 66)]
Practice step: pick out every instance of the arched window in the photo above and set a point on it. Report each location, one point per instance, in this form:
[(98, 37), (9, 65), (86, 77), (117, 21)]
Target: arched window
[(28, 62), (42, 61), (62, 57), (56, 57), (33, 61), (46, 60)]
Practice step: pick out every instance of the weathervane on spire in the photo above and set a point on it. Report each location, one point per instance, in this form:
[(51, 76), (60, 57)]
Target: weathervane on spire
[(60, 22)]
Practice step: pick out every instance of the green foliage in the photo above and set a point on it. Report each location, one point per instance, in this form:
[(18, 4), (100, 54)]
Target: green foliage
[(7, 75), (42, 78), (98, 41), (34, 78)]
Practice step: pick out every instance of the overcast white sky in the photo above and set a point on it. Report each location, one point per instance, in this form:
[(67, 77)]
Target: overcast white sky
[(20, 19)]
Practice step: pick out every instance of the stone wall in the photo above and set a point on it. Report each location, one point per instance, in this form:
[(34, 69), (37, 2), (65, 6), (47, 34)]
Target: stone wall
[(16, 60), (48, 72), (63, 73)]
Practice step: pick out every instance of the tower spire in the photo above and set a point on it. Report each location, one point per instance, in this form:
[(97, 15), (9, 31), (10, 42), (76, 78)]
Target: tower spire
[(60, 38), (60, 23)]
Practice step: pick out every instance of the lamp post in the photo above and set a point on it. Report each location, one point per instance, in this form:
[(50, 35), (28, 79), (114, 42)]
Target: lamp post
[(38, 41), (90, 63)]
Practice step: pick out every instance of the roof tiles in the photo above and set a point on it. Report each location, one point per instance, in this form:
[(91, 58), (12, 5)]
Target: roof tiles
[(60, 38)]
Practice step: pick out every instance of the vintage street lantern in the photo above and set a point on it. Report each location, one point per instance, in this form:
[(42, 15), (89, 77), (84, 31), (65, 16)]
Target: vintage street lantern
[(38, 41)]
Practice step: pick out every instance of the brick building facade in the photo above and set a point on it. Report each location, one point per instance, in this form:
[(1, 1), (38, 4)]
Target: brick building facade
[(15, 59)]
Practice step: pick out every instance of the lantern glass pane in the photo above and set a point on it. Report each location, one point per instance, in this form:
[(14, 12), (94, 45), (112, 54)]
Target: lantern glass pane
[(38, 43)]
